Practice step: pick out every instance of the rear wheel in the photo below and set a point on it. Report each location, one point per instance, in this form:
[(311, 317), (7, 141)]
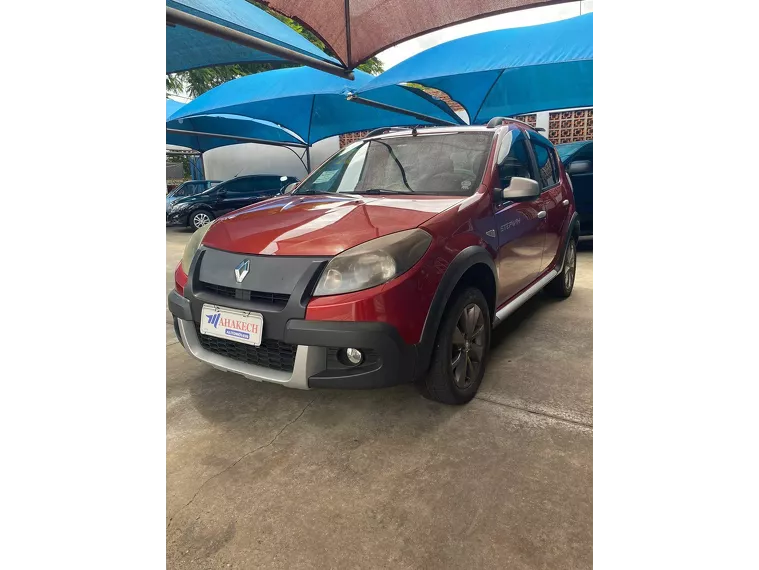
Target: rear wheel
[(461, 349), (200, 218), (564, 282)]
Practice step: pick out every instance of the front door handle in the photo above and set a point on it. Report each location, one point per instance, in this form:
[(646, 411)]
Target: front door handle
[(542, 214), (566, 202)]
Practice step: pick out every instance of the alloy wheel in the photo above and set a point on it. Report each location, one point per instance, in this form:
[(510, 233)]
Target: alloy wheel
[(200, 219), (468, 346), (570, 266)]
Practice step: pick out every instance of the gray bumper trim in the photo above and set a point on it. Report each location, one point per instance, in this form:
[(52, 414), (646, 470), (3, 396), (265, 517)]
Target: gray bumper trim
[(309, 360), (179, 306)]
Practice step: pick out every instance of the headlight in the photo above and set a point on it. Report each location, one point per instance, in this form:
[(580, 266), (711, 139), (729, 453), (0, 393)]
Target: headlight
[(192, 246), (373, 263), (179, 207)]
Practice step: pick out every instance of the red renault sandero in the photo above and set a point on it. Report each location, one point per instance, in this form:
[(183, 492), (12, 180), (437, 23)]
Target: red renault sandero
[(390, 263)]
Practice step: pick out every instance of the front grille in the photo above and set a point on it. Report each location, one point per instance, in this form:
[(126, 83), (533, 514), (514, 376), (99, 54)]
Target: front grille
[(276, 299), (272, 354)]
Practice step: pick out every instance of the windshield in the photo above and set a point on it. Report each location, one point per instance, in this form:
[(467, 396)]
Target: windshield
[(433, 163)]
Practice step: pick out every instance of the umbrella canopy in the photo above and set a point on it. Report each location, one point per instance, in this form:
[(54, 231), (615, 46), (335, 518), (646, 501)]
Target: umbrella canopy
[(313, 104), (230, 130), (188, 48), (506, 72), (355, 30)]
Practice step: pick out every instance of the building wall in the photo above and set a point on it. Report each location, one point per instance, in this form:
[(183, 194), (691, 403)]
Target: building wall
[(249, 158), (563, 126)]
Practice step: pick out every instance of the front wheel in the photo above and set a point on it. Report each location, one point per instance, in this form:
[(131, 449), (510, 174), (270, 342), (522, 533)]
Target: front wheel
[(564, 282), (200, 218), (461, 349)]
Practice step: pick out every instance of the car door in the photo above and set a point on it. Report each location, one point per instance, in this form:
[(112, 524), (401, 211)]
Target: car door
[(582, 186), (519, 225), (554, 198), (234, 194)]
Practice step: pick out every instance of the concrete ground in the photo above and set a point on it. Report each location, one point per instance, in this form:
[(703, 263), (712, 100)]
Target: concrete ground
[(260, 476)]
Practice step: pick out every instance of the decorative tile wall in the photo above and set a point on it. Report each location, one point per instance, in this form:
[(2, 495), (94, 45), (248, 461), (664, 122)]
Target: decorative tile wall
[(570, 126), (531, 119), (349, 138)]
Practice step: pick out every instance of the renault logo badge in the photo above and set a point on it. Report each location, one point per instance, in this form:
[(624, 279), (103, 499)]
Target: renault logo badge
[(242, 270)]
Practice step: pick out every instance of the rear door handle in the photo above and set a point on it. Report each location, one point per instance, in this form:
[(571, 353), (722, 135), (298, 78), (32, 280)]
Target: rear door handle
[(566, 202), (542, 214)]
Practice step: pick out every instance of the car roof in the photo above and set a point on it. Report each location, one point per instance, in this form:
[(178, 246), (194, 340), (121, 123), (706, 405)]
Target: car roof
[(406, 131), (507, 124)]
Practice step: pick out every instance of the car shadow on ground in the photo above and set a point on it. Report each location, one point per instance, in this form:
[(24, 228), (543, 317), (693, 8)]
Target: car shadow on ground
[(232, 402), (513, 323)]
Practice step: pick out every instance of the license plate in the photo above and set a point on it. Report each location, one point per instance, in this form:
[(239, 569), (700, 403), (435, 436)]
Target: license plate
[(232, 324)]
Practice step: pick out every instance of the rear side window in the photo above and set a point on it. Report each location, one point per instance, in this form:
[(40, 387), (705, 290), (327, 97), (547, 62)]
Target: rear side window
[(513, 159), (242, 186), (547, 169), (271, 183), (585, 154)]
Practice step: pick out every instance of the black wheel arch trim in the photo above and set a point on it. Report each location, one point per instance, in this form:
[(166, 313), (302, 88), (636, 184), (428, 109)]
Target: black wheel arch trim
[(574, 222), (466, 258)]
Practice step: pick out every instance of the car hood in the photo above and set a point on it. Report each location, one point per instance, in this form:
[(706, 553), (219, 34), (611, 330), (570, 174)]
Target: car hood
[(320, 225)]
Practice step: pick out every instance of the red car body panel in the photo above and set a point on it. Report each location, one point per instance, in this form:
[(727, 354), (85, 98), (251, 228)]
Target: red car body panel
[(321, 224)]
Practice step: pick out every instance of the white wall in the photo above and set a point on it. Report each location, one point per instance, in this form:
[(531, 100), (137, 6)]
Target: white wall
[(235, 160)]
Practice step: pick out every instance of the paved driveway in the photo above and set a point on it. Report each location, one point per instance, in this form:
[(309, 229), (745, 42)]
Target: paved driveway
[(260, 476)]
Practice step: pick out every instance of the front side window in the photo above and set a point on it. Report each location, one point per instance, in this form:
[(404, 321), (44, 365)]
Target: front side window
[(547, 169), (513, 158), (432, 164)]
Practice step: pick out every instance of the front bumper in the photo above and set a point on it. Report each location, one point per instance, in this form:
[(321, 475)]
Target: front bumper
[(176, 219), (392, 360)]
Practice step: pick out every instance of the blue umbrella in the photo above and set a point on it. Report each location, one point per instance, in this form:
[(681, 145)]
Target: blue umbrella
[(205, 132), (203, 33), (505, 72), (313, 105)]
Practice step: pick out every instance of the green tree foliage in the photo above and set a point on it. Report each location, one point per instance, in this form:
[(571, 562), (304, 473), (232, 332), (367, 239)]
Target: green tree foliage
[(198, 81)]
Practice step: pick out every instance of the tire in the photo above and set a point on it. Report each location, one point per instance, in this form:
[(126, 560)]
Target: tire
[(447, 381), (564, 282), (199, 218)]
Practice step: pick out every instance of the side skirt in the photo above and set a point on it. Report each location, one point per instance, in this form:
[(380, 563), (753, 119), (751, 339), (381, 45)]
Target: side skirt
[(522, 298)]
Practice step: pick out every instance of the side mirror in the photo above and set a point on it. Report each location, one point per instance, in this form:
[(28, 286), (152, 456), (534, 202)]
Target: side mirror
[(521, 190), (579, 167), (289, 188)]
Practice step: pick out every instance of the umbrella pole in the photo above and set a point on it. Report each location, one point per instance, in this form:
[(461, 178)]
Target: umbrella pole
[(176, 17), (422, 116), (308, 159)]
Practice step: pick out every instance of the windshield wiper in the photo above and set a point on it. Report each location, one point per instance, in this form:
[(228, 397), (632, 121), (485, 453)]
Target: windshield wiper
[(296, 193), (381, 191)]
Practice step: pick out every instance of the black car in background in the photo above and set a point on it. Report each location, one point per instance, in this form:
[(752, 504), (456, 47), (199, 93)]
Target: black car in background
[(189, 188), (199, 209), (578, 161)]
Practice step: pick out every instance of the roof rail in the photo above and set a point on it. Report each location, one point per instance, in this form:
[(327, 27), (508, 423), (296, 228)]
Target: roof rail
[(497, 121), (382, 130)]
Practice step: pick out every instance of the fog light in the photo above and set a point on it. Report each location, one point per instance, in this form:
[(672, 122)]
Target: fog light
[(354, 356)]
